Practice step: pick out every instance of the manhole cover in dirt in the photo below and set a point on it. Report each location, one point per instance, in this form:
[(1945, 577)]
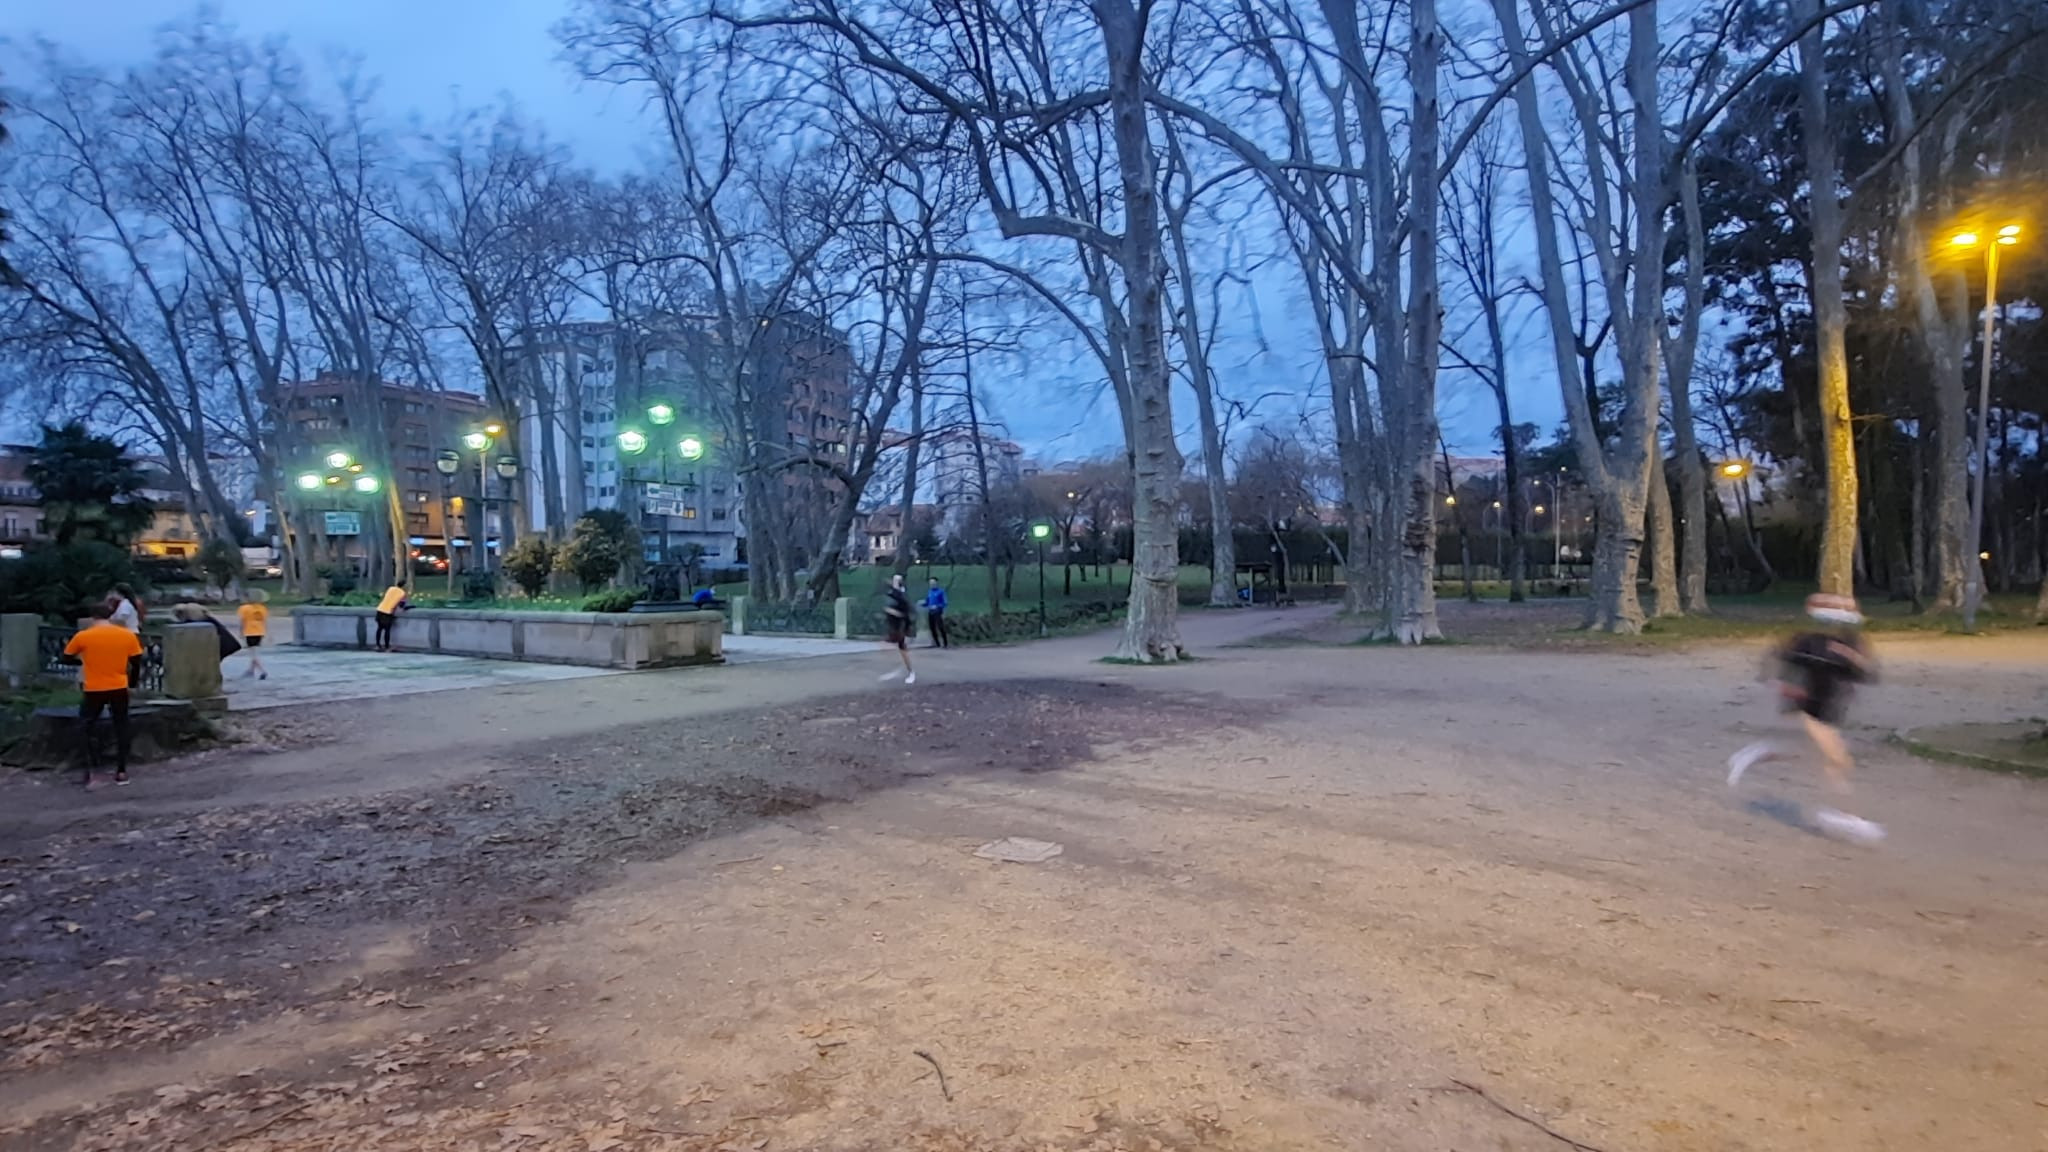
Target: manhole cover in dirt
[(1019, 850)]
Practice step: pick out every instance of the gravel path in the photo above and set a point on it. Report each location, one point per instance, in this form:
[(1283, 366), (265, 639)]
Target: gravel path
[(1308, 897)]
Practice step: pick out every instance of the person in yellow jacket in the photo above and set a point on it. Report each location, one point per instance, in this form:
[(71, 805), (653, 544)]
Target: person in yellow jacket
[(255, 614), (388, 608)]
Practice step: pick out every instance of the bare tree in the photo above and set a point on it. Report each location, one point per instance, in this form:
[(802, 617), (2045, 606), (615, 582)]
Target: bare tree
[(1474, 200)]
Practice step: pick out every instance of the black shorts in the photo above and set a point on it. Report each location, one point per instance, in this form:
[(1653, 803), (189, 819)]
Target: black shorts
[(252, 641), (899, 631)]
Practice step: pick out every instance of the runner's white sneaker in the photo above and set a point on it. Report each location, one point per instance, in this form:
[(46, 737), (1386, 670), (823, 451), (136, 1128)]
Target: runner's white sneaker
[(1847, 827), (1746, 759), (910, 679)]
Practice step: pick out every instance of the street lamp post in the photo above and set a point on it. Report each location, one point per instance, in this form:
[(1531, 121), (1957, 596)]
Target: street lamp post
[(448, 462), (1973, 587), (1039, 531), (342, 477), (664, 585)]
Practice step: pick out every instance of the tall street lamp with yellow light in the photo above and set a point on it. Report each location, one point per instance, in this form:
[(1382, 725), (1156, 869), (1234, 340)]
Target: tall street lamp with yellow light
[(1970, 241)]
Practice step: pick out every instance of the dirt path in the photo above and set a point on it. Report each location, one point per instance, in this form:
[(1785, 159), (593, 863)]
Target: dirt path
[(1309, 898)]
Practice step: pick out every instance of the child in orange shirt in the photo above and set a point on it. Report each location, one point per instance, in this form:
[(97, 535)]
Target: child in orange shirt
[(255, 625)]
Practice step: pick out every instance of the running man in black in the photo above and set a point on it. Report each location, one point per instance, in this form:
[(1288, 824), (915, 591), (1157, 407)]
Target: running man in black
[(897, 612), (1817, 673)]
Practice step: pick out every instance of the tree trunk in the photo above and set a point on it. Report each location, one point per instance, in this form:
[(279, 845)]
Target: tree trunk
[(1411, 599), (907, 505), (1151, 625), (1830, 315), (1664, 597), (1617, 552), (1692, 479)]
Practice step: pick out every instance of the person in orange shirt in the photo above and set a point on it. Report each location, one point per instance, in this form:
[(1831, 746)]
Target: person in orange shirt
[(104, 649), (255, 625)]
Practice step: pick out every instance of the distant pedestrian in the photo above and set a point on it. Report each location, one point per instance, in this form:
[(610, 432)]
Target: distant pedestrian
[(897, 612), (127, 610), (935, 614), (104, 650), (1817, 671), (255, 615), (388, 608)]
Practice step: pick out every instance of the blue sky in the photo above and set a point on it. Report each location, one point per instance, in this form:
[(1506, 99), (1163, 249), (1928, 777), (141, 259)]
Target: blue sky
[(431, 57)]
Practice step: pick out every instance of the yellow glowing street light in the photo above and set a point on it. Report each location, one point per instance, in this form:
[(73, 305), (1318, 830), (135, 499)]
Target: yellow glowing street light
[(494, 429), (2007, 236), (1735, 469), (1451, 501)]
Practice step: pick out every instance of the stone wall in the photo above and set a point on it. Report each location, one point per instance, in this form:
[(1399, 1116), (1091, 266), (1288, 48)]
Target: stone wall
[(598, 639)]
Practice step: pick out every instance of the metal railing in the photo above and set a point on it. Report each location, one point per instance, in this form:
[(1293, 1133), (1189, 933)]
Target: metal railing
[(145, 674), (814, 619)]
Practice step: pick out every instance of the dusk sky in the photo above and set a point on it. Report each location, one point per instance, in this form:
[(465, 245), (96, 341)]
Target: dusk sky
[(431, 58)]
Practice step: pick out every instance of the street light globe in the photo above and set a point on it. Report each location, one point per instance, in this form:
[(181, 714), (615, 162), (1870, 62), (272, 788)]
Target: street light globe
[(308, 481), (1963, 240), (448, 461), (1735, 469), (632, 443), (367, 484), (506, 467), (494, 429), (1040, 531), (338, 459), (1537, 509), (690, 447), (1451, 501), (661, 413), (475, 441)]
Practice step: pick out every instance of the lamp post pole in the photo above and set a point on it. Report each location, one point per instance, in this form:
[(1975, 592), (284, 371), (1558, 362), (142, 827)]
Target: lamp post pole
[(1039, 531), (1973, 590)]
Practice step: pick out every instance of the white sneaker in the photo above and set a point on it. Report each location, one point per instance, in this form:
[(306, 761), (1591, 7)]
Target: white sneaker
[(910, 679), (888, 676), (1746, 759), (1847, 827)]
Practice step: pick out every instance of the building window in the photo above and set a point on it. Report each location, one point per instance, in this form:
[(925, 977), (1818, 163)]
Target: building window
[(689, 513), (421, 497), (718, 513), (588, 467)]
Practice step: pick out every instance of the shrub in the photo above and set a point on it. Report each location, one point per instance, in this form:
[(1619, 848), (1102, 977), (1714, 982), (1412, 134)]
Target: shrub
[(63, 581), (529, 563), (221, 560), (613, 600), (478, 584), (341, 579), (596, 548)]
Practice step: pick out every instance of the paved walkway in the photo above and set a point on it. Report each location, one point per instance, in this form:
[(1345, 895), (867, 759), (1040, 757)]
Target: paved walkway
[(757, 649), (325, 675)]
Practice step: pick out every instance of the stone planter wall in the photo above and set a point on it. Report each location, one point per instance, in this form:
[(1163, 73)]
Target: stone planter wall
[(598, 639)]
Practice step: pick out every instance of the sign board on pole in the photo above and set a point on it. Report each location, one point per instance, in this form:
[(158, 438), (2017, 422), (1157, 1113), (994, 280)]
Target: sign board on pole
[(665, 499), (344, 523)]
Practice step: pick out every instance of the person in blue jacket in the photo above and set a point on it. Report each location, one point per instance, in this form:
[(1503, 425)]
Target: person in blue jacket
[(935, 612)]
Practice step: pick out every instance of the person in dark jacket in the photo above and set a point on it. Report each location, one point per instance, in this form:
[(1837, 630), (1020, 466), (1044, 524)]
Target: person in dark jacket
[(1817, 672), (896, 610), (935, 614)]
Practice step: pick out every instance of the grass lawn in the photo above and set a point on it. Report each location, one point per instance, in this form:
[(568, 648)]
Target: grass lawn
[(967, 585)]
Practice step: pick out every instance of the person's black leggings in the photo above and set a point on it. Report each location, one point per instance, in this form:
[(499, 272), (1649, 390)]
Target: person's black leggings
[(937, 621), (384, 622), (89, 709)]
